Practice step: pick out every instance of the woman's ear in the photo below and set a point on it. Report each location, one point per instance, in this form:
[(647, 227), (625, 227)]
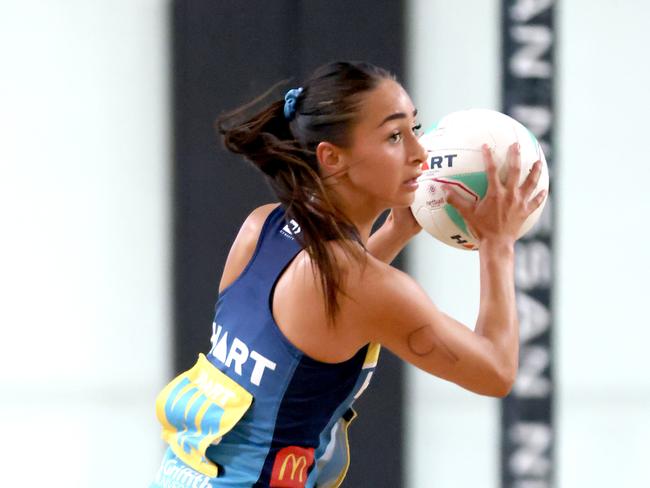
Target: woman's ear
[(329, 158)]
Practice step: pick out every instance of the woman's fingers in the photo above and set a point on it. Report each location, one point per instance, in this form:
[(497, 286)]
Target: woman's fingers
[(536, 201), (529, 185), (490, 170), (465, 207), (514, 167), (460, 203), (505, 206)]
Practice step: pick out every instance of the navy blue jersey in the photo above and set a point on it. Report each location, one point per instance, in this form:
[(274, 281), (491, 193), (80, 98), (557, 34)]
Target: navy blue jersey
[(256, 411)]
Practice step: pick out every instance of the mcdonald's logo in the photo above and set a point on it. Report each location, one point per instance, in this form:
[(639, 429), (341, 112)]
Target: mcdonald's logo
[(299, 464), (291, 467)]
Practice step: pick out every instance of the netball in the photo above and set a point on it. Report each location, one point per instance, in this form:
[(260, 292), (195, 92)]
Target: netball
[(455, 158)]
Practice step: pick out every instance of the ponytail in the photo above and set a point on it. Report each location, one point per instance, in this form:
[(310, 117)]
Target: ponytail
[(282, 144)]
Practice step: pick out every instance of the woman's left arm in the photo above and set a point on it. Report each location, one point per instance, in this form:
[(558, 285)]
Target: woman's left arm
[(398, 229)]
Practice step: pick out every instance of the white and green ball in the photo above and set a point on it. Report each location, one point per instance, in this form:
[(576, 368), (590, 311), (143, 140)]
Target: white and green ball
[(455, 157)]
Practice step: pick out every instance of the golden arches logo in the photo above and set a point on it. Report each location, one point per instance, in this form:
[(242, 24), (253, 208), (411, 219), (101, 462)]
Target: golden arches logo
[(297, 464), (291, 467)]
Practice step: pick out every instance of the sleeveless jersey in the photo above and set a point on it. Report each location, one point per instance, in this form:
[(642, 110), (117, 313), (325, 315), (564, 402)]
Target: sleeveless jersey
[(256, 411)]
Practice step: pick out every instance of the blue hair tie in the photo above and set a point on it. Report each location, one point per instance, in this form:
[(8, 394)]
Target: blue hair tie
[(290, 102)]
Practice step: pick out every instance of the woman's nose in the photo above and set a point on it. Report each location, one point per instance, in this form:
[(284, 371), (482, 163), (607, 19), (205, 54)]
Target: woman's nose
[(420, 153)]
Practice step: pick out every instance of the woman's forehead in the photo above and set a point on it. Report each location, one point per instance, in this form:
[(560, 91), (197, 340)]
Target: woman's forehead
[(386, 100)]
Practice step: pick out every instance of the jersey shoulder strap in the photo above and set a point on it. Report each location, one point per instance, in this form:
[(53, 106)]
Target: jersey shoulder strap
[(277, 245)]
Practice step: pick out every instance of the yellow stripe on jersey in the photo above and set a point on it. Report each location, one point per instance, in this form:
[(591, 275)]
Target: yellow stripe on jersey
[(196, 409), (372, 356)]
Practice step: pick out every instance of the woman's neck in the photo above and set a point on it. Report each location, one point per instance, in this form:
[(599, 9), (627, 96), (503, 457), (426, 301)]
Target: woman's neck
[(362, 214)]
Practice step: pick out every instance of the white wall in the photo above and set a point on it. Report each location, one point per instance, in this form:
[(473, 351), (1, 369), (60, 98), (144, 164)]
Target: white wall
[(84, 254), (602, 314), (602, 327)]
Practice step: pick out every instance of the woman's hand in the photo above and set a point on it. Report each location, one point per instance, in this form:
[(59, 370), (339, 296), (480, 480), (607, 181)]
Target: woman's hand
[(401, 222), (398, 229), (501, 213)]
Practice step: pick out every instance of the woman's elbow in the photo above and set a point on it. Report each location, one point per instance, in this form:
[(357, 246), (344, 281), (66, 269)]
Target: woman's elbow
[(503, 382), (502, 390), (491, 385)]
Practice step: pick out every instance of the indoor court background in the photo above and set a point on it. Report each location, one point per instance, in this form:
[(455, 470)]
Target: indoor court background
[(87, 202)]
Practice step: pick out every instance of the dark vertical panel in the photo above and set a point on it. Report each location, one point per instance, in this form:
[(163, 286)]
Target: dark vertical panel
[(362, 30), (369, 30), (225, 53), (527, 435), (222, 58)]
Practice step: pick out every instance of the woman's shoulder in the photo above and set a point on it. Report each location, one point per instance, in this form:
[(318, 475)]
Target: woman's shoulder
[(367, 295), (370, 286), (253, 224), (245, 243), (382, 302)]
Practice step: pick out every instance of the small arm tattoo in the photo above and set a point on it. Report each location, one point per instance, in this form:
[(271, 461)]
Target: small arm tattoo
[(424, 341)]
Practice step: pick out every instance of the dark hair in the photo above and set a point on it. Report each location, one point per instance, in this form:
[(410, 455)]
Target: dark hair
[(285, 151)]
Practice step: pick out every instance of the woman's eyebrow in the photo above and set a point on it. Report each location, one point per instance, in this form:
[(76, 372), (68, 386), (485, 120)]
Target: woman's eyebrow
[(397, 115)]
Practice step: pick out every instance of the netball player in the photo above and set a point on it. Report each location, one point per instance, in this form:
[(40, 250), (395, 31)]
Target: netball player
[(308, 296)]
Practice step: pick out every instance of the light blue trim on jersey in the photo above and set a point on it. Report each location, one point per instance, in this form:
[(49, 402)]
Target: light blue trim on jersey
[(326, 434)]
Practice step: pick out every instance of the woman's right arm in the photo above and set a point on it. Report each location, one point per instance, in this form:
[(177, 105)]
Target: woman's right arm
[(401, 316)]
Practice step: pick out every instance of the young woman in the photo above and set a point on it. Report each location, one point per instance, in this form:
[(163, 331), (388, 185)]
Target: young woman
[(307, 294)]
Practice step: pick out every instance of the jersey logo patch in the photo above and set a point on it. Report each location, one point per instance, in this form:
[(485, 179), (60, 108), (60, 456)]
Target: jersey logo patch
[(291, 229), (291, 467), (196, 409)]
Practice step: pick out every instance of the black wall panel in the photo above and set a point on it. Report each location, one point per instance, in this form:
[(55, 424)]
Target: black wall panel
[(528, 430)]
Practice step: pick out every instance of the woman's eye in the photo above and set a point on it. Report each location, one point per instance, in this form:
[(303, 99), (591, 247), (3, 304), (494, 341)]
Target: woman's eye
[(417, 130), (395, 137)]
